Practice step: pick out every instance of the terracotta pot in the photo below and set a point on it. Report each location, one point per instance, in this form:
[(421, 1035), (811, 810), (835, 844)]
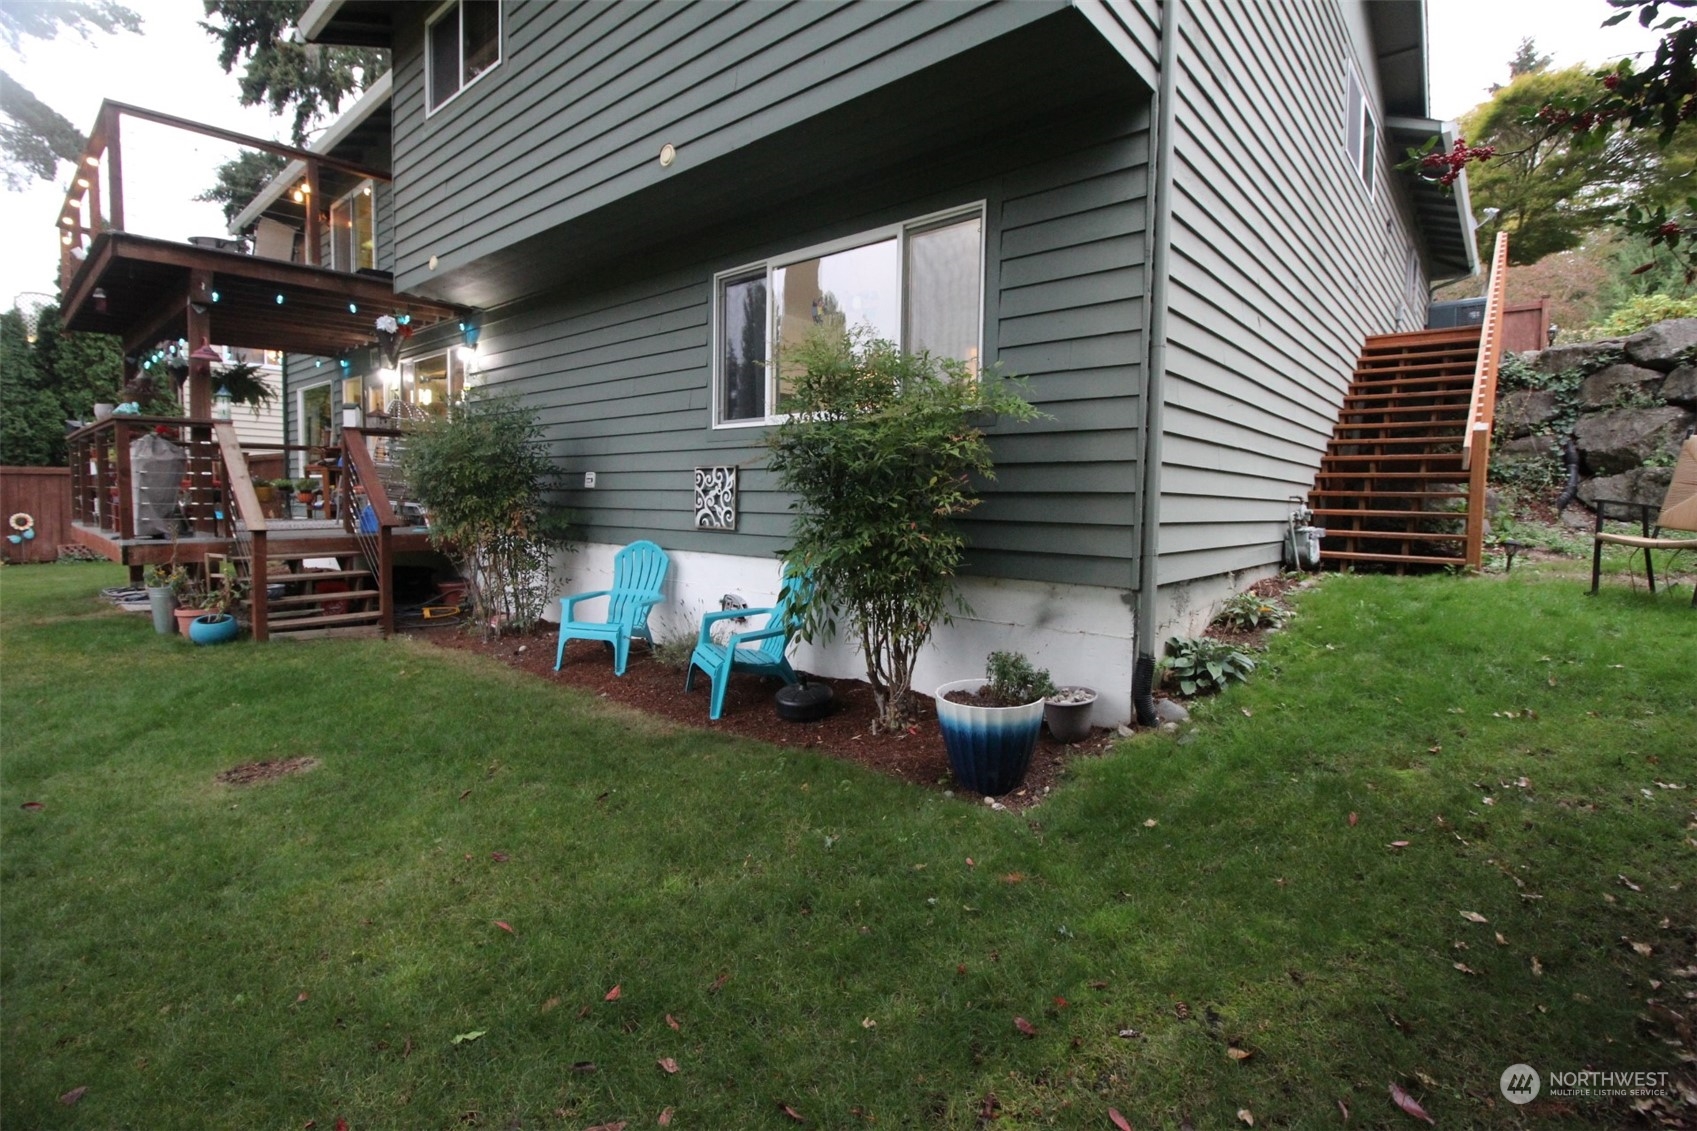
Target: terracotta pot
[(185, 615)]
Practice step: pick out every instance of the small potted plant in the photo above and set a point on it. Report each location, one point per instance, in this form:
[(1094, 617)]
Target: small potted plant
[(217, 624), (990, 725), (1066, 712), (161, 597)]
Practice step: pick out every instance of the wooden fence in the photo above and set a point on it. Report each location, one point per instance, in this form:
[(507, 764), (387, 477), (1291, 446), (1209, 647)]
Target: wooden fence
[(44, 494)]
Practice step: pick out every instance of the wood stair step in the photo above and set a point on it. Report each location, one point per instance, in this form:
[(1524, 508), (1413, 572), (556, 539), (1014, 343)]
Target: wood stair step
[(315, 575), (1445, 334), (1341, 535), (299, 599), (1454, 456), (1356, 494), (1389, 559), (1373, 512), (293, 624)]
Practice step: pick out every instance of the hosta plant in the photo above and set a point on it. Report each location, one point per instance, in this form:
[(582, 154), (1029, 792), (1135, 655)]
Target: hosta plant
[(1200, 665)]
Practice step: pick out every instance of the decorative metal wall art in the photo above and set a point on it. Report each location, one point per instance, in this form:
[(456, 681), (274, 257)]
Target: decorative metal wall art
[(716, 498)]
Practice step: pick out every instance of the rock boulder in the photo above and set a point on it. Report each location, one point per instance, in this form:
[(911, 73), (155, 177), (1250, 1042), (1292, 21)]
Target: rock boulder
[(1584, 356), (1681, 386), (1647, 485), (1616, 383), (1661, 346), (1521, 412), (1622, 439)]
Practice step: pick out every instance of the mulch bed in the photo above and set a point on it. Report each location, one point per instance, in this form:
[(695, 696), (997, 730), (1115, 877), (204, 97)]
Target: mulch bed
[(916, 756)]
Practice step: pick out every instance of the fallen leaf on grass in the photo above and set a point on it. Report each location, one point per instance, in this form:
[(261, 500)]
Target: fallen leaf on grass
[(1014, 878), (461, 1038), (1465, 968), (342, 1124), (868, 1023), (1246, 1115), (1409, 1105), (502, 923), (551, 1003), (32, 806), (619, 1126), (1118, 1120), (665, 1119), (1150, 823), (1398, 844), (499, 857), (465, 795), (791, 1112), (1025, 1026), (719, 982), (1500, 940), (70, 1098), (1642, 948), (670, 1065), (969, 863), (1238, 1054), (583, 1067), (1474, 917), (1353, 820), (301, 997), (1131, 1034), (612, 994), (1628, 884), (672, 1021), (1344, 1108), (1537, 967)]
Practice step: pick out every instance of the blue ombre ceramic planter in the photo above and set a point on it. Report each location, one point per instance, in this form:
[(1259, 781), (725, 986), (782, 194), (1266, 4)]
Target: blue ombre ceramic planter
[(214, 628), (989, 747)]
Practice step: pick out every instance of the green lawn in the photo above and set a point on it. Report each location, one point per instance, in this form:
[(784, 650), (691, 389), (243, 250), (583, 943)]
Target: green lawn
[(199, 955)]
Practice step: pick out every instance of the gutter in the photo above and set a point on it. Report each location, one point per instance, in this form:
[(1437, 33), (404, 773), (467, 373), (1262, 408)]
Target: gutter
[(1145, 613), (374, 96)]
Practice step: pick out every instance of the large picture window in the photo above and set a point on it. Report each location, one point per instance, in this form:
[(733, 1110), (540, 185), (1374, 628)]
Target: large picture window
[(463, 40), (353, 231), (918, 284), (433, 382)]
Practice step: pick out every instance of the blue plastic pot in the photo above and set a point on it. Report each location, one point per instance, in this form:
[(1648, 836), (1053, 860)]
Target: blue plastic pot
[(214, 628), (989, 747)]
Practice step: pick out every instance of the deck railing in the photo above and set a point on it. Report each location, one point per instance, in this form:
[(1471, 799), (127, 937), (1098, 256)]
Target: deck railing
[(91, 207), (106, 486), (1482, 407)]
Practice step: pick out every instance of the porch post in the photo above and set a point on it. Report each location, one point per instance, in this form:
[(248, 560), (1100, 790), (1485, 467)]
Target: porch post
[(199, 406)]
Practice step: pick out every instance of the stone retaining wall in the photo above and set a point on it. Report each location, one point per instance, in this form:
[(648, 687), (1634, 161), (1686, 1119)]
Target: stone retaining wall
[(1628, 402)]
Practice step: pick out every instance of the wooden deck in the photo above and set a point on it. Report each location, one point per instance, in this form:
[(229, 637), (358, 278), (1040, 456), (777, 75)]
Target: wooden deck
[(325, 537)]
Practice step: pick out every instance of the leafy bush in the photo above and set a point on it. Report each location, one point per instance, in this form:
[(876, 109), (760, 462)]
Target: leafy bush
[(1202, 665), (1641, 311), (1014, 681), (879, 455), (482, 473), (1247, 612)]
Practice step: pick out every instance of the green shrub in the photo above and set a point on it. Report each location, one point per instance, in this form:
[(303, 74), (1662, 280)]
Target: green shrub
[(1014, 681), (482, 473), (1642, 311), (879, 454), (1203, 665), (1247, 612)]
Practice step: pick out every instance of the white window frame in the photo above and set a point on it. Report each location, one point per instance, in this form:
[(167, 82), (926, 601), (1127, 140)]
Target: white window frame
[(436, 17), (407, 374), (1363, 155), (897, 231), (368, 188)]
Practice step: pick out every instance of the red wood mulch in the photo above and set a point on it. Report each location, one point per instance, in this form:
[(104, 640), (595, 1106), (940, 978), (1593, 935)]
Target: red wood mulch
[(916, 757)]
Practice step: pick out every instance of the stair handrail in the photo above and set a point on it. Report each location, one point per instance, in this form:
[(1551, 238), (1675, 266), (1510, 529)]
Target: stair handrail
[(1482, 405), (358, 455), (238, 478)]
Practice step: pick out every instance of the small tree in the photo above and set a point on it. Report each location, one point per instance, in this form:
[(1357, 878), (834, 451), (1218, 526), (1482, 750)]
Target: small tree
[(879, 453), (483, 474)]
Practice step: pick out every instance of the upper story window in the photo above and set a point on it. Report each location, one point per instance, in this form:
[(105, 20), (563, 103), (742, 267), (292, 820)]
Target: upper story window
[(462, 40), (353, 230), (918, 284), (1360, 131)]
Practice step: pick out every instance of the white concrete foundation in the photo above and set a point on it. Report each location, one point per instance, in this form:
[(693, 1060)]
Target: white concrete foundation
[(1082, 634)]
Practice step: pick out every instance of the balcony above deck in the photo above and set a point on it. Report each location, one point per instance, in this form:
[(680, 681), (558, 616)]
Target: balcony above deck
[(146, 287)]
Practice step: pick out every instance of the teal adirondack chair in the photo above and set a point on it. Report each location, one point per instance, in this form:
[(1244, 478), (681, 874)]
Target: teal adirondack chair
[(638, 572), (760, 652)]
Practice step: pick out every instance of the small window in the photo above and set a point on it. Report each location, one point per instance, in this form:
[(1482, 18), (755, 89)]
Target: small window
[(918, 284), (461, 42), (432, 383), (353, 231), (1361, 132)]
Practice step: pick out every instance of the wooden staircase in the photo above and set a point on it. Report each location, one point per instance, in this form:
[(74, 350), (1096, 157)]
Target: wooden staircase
[(1402, 483), (1392, 490), (314, 600)]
